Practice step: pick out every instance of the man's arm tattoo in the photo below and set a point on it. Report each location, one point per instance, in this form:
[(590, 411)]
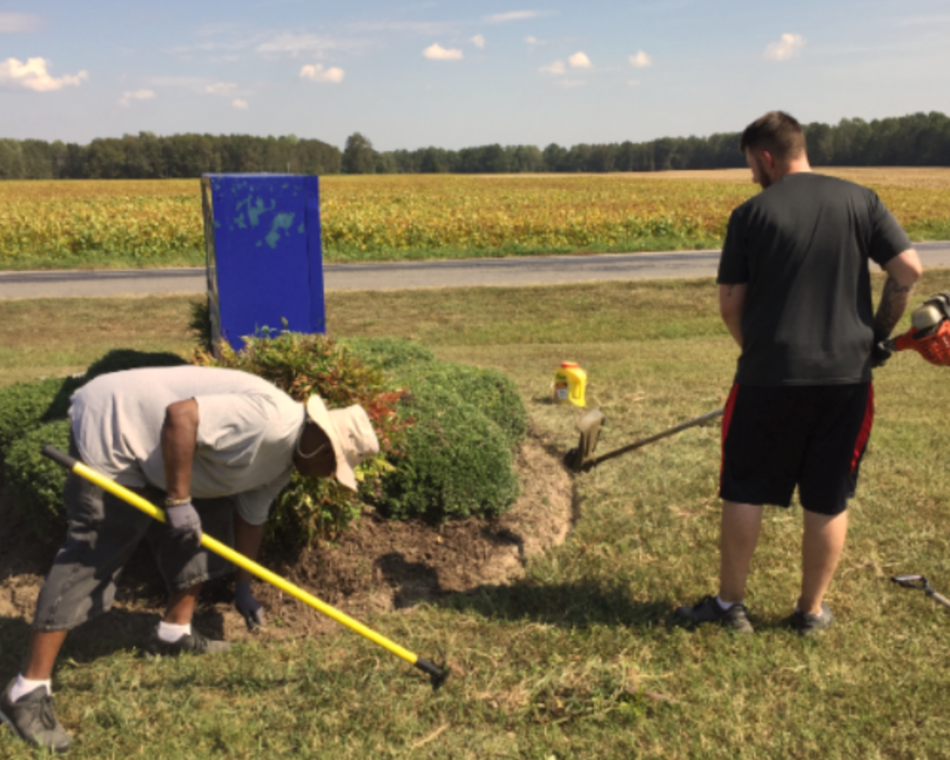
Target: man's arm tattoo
[(894, 301)]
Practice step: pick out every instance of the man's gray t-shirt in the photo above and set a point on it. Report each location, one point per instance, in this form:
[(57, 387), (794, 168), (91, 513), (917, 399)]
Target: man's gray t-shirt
[(803, 246), (247, 431)]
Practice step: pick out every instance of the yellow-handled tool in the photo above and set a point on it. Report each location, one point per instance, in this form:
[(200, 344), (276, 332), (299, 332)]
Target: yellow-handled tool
[(436, 673)]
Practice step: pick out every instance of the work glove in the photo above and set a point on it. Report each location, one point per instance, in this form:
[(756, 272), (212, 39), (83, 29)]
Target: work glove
[(248, 606), (184, 525), (880, 353)]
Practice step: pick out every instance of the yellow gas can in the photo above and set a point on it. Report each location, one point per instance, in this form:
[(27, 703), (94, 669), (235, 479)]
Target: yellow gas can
[(570, 383)]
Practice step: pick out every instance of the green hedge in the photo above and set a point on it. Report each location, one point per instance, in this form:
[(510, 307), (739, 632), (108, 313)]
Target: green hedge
[(458, 463), (24, 406), (467, 420), (448, 432), (389, 354), (35, 482), (492, 393)]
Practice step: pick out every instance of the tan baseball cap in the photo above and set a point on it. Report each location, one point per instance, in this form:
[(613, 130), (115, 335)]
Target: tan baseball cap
[(351, 434)]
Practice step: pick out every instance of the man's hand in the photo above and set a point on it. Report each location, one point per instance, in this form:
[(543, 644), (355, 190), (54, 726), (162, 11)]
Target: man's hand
[(184, 523), (248, 606), (880, 353)]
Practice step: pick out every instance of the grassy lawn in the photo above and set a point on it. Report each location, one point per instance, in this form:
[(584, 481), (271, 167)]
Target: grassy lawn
[(580, 659)]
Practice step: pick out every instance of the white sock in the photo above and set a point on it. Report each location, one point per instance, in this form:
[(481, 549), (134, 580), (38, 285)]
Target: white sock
[(724, 605), (171, 632), (25, 686)]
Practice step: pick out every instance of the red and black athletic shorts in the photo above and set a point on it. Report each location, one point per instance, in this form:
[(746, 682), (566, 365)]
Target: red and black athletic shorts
[(777, 437)]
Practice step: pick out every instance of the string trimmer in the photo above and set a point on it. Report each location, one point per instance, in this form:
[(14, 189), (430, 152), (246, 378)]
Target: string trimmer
[(436, 673), (930, 334), (582, 457)]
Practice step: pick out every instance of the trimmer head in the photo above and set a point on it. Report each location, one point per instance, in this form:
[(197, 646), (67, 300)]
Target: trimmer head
[(589, 427)]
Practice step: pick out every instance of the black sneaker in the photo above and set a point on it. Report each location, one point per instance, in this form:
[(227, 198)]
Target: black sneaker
[(33, 719), (191, 643), (707, 610), (810, 625)]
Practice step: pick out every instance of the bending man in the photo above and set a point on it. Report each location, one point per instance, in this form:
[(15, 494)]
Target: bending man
[(214, 447)]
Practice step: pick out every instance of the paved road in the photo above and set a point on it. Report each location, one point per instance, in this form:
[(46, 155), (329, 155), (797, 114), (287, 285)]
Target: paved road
[(529, 270)]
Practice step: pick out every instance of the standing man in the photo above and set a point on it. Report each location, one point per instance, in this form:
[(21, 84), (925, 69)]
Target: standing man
[(795, 293), (214, 447)]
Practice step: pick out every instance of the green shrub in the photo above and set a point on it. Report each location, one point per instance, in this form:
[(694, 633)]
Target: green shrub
[(390, 354), (35, 482), (303, 365), (494, 394), (24, 406), (458, 462)]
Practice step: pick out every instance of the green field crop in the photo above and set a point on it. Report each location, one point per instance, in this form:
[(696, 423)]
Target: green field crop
[(109, 223)]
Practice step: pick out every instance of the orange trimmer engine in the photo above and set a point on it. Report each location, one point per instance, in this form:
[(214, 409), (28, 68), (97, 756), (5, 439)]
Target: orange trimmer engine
[(930, 334)]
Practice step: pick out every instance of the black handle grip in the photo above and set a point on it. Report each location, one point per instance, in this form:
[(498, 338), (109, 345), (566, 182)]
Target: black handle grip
[(62, 459)]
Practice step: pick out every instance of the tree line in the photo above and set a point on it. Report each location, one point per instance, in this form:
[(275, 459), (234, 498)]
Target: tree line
[(915, 140)]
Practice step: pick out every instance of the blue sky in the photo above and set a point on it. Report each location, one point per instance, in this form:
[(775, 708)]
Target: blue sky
[(457, 74)]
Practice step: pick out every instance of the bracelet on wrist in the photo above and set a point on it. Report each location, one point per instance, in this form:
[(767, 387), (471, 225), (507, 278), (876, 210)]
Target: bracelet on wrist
[(170, 502)]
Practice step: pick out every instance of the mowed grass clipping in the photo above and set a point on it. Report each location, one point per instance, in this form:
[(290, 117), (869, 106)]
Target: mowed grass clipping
[(580, 659), (152, 223)]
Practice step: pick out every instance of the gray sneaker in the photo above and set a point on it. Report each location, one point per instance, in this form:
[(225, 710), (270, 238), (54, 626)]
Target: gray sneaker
[(192, 643), (707, 610), (33, 719), (810, 625)]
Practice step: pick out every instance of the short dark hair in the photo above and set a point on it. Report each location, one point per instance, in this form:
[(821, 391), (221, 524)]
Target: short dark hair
[(778, 133)]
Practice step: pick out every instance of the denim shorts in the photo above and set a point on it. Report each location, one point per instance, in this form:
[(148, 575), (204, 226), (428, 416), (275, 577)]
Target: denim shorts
[(103, 533)]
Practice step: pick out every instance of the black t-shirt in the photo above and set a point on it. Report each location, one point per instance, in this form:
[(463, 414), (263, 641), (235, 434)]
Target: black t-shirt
[(803, 246)]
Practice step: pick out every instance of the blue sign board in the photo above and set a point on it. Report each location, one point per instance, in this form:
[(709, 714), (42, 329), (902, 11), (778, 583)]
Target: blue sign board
[(264, 254)]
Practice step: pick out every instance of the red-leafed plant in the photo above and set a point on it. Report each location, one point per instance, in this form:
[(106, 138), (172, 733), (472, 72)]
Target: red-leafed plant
[(302, 365)]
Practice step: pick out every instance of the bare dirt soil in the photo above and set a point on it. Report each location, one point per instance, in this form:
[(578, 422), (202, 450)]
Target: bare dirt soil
[(377, 566)]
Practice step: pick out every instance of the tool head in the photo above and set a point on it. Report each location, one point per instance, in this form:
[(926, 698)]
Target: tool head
[(589, 428), (437, 673), (912, 581)]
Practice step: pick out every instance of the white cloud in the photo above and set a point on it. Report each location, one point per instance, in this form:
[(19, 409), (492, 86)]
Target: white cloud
[(641, 60), (33, 75), (318, 73), (633, 83), (788, 47), (128, 97), (556, 67), (17, 23), (579, 61), (221, 88), (240, 104), (195, 84), (570, 82), (478, 41), (310, 45), (532, 40), (501, 18), (435, 52)]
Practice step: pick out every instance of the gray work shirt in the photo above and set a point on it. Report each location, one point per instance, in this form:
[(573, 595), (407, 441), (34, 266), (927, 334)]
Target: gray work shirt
[(247, 431)]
